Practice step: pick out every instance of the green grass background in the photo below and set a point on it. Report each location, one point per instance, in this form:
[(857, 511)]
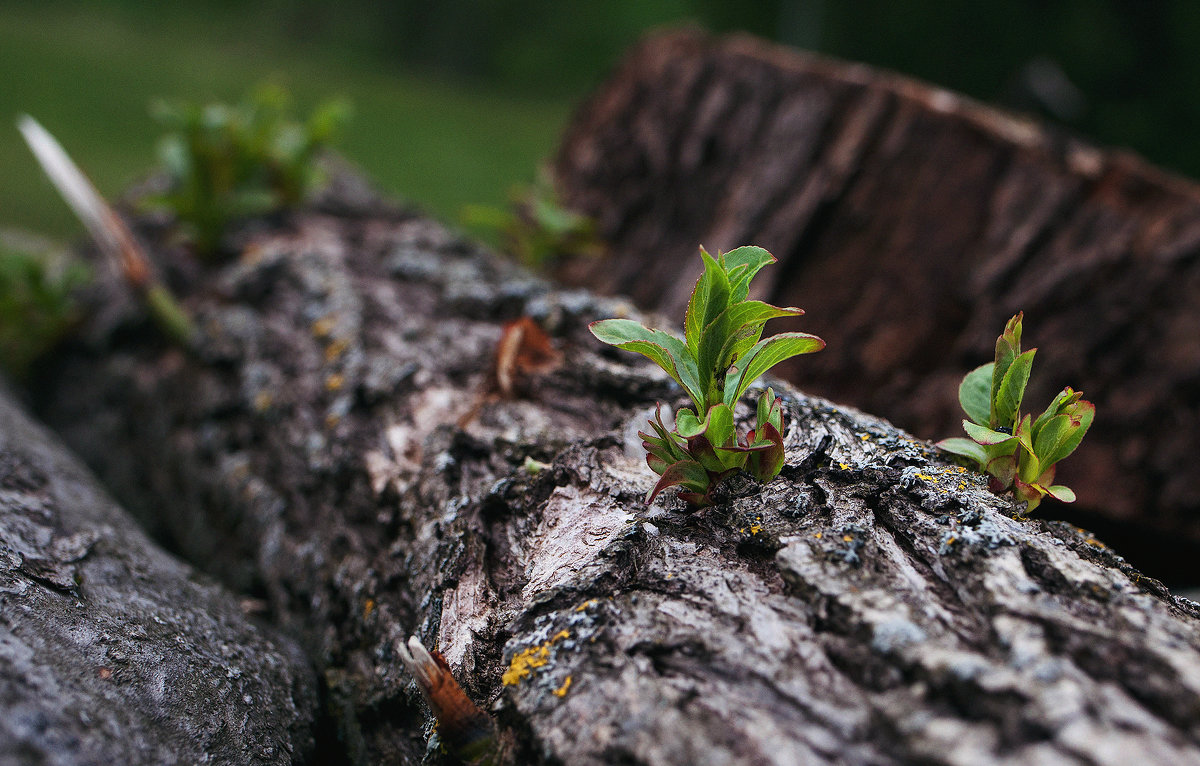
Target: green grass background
[(89, 77)]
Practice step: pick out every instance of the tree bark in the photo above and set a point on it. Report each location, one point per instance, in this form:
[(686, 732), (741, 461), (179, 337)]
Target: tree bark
[(910, 223), (112, 651), (333, 441)]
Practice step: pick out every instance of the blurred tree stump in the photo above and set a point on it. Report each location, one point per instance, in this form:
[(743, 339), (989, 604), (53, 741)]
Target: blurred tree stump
[(910, 224), (112, 651), (336, 441)]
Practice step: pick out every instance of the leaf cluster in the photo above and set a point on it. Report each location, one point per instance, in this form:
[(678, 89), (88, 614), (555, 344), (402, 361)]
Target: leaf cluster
[(721, 354), (36, 305), (226, 162), (1017, 450)]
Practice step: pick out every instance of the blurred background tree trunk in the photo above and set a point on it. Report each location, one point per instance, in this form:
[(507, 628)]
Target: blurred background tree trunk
[(910, 223)]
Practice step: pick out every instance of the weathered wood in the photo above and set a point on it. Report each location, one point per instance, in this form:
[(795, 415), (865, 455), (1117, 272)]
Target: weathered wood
[(910, 223), (112, 651), (872, 605)]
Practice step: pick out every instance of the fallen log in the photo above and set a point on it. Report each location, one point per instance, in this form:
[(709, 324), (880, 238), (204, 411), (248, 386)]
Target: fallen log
[(336, 440), (112, 651), (911, 223)]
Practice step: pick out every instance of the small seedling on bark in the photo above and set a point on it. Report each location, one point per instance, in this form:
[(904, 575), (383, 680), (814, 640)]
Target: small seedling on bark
[(1019, 452), (537, 228), (36, 304), (226, 162), (720, 355)]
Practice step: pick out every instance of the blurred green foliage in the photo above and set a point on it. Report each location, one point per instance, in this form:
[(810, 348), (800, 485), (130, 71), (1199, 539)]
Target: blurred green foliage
[(224, 162), (36, 308), (535, 227), (458, 99)]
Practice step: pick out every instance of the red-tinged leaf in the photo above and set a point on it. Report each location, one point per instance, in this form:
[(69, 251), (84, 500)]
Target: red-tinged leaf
[(657, 464), (686, 473), (1004, 469), (766, 464), (701, 450), (1032, 494)]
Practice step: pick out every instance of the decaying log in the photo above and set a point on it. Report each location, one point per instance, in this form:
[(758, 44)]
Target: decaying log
[(910, 223), (333, 441), (114, 652)]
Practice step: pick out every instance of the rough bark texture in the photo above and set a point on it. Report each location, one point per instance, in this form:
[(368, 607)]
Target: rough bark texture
[(910, 224), (328, 442), (112, 651)]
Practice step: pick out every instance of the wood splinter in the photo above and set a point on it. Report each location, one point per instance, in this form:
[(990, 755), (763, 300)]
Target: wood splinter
[(466, 731)]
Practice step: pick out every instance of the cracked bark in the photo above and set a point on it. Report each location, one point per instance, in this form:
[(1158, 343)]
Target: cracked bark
[(911, 223), (873, 605), (112, 651)]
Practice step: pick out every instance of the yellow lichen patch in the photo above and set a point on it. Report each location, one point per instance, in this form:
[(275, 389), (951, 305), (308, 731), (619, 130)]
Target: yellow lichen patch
[(817, 535), (323, 326), (847, 538), (865, 437), (263, 401), (925, 477), (336, 349), (843, 466), (755, 529), (523, 664), (562, 690), (335, 382), (332, 419), (368, 607), (585, 605)]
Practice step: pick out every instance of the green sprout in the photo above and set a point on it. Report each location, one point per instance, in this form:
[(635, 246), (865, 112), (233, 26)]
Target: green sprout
[(1018, 451), (36, 305), (536, 228), (720, 355), (227, 162)]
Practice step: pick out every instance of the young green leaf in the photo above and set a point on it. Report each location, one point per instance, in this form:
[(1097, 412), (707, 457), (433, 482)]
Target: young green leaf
[(763, 356), (734, 330), (1008, 347), (965, 447), (742, 265), (1006, 400), (709, 298), (1063, 433), (1061, 492), (985, 435), (770, 410), (975, 394), (664, 349)]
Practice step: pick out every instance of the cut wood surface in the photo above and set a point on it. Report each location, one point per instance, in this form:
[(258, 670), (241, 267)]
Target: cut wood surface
[(112, 651), (911, 223), (334, 443)]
